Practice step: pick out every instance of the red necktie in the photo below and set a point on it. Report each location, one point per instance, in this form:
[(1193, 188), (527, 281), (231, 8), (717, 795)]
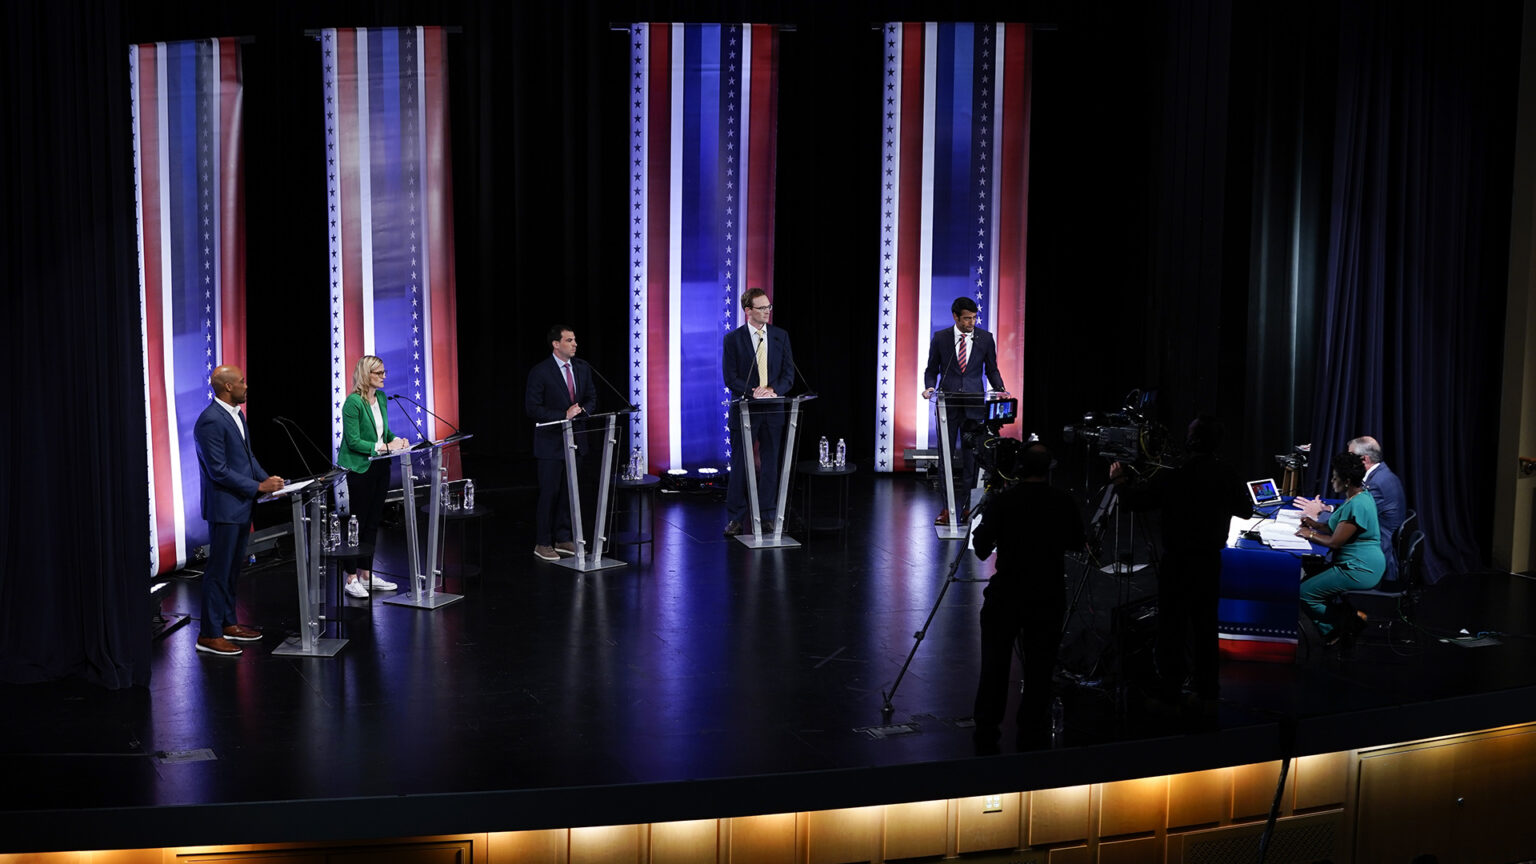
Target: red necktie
[(961, 350), (570, 386)]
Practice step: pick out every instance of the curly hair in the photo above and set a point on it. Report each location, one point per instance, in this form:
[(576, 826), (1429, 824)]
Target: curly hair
[(1349, 468)]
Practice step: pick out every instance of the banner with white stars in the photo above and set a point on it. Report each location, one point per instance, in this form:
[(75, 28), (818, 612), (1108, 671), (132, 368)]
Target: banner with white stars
[(703, 136), (954, 193), (185, 107), (390, 220)]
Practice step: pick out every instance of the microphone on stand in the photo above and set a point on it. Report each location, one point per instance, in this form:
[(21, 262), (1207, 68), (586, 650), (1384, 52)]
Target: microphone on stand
[(617, 391), (302, 461), (285, 423), (400, 397)]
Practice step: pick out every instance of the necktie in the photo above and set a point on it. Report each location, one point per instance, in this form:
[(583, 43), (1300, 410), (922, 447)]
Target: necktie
[(570, 385), (960, 350), (762, 359)]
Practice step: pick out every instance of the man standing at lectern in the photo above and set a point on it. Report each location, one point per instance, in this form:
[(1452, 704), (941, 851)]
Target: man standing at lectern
[(757, 364), (232, 480), (958, 358), (559, 388)]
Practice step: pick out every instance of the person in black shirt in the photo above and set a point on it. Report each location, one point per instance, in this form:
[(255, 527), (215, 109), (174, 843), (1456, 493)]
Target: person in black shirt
[(1198, 501), (1030, 525)]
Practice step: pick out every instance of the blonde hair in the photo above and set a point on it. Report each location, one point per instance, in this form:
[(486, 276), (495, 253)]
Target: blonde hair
[(362, 374)]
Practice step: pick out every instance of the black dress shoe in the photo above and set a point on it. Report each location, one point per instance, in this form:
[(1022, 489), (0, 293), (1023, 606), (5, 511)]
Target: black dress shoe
[(732, 528)]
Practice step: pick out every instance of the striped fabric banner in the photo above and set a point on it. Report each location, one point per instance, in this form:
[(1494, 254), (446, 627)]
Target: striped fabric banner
[(953, 208), (703, 127), (188, 170), (390, 209)]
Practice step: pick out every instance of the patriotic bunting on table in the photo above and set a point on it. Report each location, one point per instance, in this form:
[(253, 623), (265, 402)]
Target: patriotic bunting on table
[(953, 208), (703, 124), (185, 106), (390, 218)]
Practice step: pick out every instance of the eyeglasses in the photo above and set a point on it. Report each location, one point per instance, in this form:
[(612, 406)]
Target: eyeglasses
[(768, 308), (379, 372)]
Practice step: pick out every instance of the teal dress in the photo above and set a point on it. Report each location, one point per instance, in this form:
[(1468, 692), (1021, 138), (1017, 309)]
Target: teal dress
[(1357, 565)]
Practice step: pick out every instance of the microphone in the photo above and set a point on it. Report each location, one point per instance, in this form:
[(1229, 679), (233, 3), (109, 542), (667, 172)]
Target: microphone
[(285, 423), (302, 461), (617, 391), (400, 397), (808, 387)]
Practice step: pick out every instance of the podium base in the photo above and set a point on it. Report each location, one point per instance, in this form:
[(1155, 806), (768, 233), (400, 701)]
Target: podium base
[(952, 532), (767, 541), (426, 601), (590, 563), (322, 648)]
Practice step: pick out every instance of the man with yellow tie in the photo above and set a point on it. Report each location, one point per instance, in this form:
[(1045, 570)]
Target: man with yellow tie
[(757, 364)]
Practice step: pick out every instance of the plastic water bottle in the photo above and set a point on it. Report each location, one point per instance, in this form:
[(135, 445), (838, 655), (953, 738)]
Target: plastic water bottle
[(469, 494), (822, 453), (447, 496), (636, 466), (842, 454), (335, 531), (352, 531), (1056, 721)]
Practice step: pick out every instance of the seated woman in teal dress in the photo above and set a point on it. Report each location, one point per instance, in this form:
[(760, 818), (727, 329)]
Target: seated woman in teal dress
[(1353, 532)]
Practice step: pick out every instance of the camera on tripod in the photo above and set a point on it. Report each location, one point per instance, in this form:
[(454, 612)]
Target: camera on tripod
[(1125, 435), (995, 454), (1296, 460)]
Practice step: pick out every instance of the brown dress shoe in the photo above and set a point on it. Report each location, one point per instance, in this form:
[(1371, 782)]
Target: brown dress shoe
[(732, 528), (943, 517), (565, 547), (218, 645), (545, 553), (241, 633)]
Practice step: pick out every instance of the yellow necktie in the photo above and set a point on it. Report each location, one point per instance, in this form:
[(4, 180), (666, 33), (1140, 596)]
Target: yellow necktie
[(762, 359)]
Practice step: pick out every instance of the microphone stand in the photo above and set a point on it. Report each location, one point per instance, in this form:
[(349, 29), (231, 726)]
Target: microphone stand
[(424, 436), (302, 461)]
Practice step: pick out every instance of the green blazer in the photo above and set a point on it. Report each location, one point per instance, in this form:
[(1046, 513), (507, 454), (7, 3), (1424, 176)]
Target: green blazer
[(357, 432)]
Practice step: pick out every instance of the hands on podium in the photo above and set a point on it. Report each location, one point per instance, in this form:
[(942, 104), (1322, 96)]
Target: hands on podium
[(270, 485)]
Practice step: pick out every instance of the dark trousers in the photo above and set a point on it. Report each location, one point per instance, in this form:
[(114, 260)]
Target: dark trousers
[(365, 497), (768, 432), (1187, 645), (1037, 629), (552, 520), (226, 555), (964, 461)]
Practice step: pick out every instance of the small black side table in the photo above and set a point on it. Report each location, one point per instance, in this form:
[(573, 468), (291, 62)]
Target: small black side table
[(810, 469), (642, 492)]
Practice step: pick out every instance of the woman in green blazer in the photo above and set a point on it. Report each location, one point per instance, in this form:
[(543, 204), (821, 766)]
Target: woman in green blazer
[(365, 433)]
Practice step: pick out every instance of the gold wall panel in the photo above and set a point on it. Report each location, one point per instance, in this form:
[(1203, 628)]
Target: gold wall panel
[(763, 839), (606, 844), (1494, 783), (841, 836), (1253, 789), (529, 847), (1321, 780), (692, 842), (1142, 850), (1071, 855), (1132, 806), (1199, 798), (916, 830), (977, 831), (1059, 815), (1404, 803)]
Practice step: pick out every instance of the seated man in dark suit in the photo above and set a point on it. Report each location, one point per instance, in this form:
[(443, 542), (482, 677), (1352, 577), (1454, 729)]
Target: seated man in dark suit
[(559, 388), (958, 358), (757, 364), (1385, 488), (232, 480)]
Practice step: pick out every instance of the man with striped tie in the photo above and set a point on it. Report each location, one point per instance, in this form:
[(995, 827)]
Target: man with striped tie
[(757, 364), (959, 358)]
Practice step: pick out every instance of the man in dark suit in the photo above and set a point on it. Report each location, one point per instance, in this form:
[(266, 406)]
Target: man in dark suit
[(757, 364), (232, 480), (559, 388), (958, 359), (1386, 488)]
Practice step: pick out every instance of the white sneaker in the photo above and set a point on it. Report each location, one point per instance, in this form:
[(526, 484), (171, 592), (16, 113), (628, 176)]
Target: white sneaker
[(379, 583), (355, 589)]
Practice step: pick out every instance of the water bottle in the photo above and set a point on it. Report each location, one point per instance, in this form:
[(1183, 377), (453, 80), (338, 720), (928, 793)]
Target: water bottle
[(352, 531), (469, 494), (335, 531), (447, 496), (842, 454), (1056, 721), (636, 465), (822, 453)]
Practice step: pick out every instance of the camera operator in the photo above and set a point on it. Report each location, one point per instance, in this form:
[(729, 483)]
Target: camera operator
[(1030, 525), (1198, 500)]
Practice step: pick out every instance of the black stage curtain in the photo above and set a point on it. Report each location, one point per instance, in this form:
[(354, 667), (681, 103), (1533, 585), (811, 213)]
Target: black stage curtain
[(1418, 223), (74, 514)]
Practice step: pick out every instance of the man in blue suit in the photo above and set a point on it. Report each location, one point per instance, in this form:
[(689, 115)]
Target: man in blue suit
[(959, 358), (232, 480), (559, 388), (757, 364), (1386, 488)]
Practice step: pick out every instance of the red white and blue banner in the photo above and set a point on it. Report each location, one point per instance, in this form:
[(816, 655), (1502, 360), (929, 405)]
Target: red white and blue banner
[(954, 192), (390, 219), (185, 106), (703, 132)]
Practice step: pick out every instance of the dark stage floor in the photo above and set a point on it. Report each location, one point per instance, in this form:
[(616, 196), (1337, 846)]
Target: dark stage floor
[(711, 681)]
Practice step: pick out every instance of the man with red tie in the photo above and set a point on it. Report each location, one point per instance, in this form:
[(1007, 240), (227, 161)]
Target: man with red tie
[(559, 388), (959, 358)]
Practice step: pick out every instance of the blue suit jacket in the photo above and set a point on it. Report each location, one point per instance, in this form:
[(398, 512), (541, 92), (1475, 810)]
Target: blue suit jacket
[(1391, 507), (943, 371), (230, 472), (739, 365), (546, 399)]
